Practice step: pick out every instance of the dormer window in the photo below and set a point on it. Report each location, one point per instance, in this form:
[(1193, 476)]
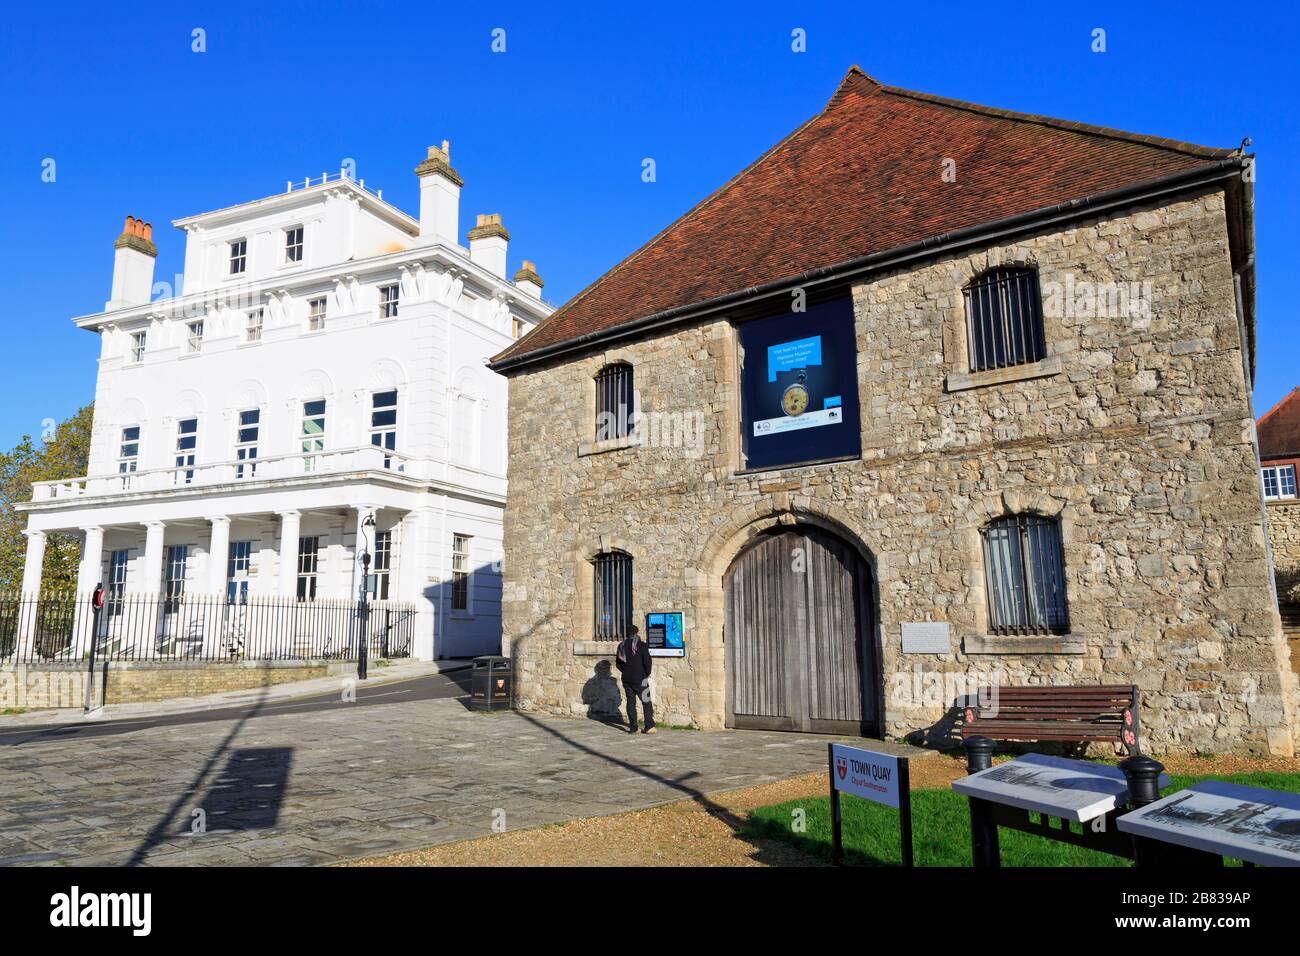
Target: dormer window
[(1004, 319), (293, 244), (238, 257)]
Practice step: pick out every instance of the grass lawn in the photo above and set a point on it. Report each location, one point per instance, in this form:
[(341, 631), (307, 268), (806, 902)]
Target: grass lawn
[(941, 828)]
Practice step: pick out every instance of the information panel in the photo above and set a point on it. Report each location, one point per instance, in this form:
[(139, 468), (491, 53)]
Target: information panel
[(664, 634), (799, 386)]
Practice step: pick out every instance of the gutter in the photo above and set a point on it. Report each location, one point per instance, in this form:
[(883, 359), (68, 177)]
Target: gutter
[(888, 259)]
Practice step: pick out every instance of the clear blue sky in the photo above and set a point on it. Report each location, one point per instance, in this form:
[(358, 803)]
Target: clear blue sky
[(552, 133)]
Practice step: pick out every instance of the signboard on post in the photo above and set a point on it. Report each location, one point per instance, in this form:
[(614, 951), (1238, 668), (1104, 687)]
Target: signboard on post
[(878, 777), (664, 634)]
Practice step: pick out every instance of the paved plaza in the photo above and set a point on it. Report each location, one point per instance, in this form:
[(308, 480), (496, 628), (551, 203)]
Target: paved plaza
[(285, 785)]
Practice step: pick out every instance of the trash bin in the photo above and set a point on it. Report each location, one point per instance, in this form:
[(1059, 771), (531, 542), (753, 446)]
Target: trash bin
[(491, 683)]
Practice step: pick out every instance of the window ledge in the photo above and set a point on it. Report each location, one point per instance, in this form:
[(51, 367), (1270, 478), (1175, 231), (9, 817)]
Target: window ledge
[(1007, 644), (609, 444), (960, 381), (595, 648)]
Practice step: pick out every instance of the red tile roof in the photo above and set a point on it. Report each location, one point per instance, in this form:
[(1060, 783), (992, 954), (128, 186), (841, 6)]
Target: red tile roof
[(1278, 429), (863, 176)]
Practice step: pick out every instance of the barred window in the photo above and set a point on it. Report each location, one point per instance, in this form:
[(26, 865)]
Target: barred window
[(1024, 573), (1004, 319), (613, 595), (614, 413)]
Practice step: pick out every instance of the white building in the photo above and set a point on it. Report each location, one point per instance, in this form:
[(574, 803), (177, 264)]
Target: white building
[(324, 364)]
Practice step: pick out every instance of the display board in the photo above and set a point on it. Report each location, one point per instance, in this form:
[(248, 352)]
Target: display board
[(664, 634), (1244, 823), (871, 775), (799, 386), (1056, 786)]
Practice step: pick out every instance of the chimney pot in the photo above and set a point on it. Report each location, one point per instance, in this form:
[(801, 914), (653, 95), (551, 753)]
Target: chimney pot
[(134, 255)]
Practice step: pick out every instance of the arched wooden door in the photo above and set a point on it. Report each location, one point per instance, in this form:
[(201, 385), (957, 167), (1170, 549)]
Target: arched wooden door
[(798, 638)]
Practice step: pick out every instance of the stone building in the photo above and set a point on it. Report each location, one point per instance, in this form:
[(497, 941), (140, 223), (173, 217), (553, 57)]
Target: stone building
[(1278, 432), (930, 396)]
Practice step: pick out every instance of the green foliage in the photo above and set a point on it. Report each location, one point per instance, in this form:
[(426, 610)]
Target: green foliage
[(66, 455), (941, 829)]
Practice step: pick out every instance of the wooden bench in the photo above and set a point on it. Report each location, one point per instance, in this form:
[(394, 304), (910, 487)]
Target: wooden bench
[(1075, 715)]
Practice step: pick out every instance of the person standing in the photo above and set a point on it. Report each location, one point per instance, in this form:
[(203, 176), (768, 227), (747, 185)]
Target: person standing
[(633, 662)]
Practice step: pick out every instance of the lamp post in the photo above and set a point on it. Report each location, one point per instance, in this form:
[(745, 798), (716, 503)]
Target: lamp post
[(363, 609)]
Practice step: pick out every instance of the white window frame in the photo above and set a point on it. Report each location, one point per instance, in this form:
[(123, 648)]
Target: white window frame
[(186, 458), (194, 337), (462, 571), (238, 256), (253, 325), (384, 436), (1282, 478), (128, 463), (246, 448), (516, 327), (312, 442), (316, 316), (294, 244), (139, 342), (389, 299)]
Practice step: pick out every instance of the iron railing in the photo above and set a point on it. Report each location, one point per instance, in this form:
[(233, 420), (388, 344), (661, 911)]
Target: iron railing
[(1004, 320), (56, 628)]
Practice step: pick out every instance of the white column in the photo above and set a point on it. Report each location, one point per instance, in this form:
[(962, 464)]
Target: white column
[(30, 594), (35, 560), (218, 554), (364, 541), (289, 524), (88, 575), (150, 581)]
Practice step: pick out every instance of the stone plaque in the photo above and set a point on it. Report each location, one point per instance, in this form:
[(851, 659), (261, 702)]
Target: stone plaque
[(927, 637)]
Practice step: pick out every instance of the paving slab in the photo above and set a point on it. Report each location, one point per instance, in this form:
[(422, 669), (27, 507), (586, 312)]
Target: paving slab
[(291, 789)]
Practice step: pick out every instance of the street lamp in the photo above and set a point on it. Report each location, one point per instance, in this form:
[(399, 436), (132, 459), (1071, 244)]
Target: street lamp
[(363, 609)]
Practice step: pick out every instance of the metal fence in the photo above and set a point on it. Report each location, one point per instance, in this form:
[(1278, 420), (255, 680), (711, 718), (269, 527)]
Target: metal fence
[(155, 627)]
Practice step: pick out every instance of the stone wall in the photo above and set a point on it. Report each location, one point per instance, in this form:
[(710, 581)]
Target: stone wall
[(36, 686), (1135, 434), (1284, 537)]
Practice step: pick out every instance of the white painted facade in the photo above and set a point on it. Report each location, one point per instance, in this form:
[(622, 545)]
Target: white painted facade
[(441, 476)]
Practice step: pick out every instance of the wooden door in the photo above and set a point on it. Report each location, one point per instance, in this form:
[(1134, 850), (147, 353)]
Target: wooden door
[(797, 625)]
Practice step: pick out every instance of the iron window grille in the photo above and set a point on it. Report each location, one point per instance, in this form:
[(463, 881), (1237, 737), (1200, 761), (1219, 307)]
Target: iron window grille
[(1024, 574), (614, 398), (238, 256), (613, 596), (460, 544), (388, 295), (1004, 320)]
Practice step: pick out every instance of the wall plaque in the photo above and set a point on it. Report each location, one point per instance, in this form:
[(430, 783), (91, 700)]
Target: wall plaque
[(927, 637)]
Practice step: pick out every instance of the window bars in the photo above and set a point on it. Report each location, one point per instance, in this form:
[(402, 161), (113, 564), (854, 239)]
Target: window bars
[(1024, 572), (613, 596), (1004, 319), (614, 397)]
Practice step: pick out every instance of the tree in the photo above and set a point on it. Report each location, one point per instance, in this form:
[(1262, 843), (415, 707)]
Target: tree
[(65, 455)]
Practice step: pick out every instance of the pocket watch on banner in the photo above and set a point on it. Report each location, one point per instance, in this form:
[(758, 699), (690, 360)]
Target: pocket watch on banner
[(794, 400)]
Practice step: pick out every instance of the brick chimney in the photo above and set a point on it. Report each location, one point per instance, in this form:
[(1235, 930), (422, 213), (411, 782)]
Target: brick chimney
[(439, 197), (487, 244), (134, 255), (527, 280)]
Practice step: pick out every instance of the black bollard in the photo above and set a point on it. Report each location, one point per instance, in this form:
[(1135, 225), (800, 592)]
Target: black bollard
[(1143, 776), (979, 754)]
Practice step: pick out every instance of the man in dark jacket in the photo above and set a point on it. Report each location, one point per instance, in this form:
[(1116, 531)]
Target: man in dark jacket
[(633, 662)]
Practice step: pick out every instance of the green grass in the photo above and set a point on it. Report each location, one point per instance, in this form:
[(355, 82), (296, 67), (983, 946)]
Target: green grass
[(940, 829)]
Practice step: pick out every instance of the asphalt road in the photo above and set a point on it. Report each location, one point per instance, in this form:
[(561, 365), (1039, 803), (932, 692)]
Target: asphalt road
[(429, 687)]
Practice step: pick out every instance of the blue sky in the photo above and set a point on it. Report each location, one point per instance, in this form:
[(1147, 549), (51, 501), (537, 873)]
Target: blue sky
[(552, 132)]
